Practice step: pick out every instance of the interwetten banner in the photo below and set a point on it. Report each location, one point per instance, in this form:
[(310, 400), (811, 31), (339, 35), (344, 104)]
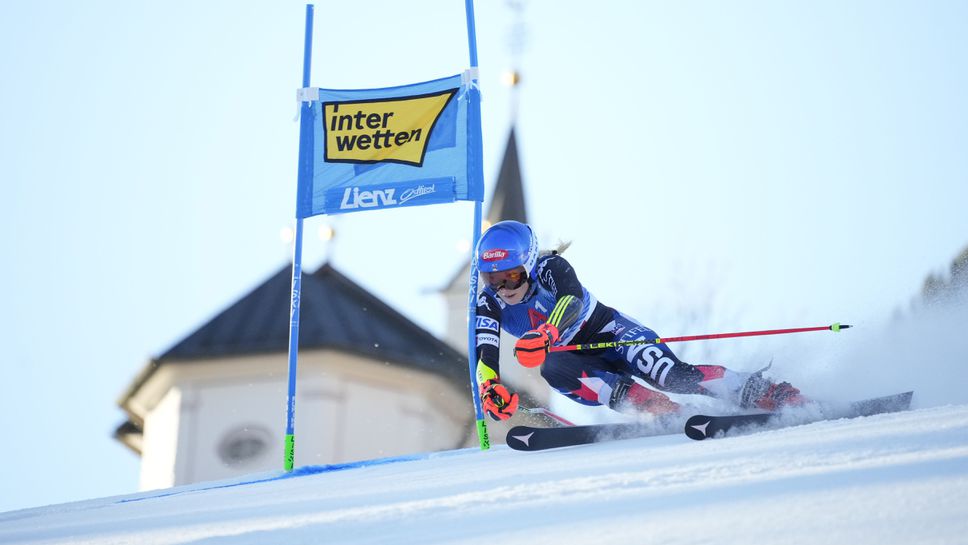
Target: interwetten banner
[(385, 148)]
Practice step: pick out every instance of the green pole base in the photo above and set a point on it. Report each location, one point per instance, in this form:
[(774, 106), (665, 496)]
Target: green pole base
[(482, 434), (290, 451)]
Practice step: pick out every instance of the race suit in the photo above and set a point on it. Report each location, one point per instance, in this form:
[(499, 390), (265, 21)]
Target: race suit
[(590, 377)]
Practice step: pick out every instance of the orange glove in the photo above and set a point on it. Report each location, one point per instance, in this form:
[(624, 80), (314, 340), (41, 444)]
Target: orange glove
[(533, 346), (497, 400)]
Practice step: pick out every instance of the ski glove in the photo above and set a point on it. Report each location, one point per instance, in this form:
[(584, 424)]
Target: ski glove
[(497, 400), (533, 346)]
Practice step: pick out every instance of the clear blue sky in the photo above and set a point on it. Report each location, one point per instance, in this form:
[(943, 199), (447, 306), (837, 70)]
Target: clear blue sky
[(768, 163)]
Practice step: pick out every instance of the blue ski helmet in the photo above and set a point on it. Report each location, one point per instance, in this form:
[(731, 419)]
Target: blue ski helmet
[(507, 245)]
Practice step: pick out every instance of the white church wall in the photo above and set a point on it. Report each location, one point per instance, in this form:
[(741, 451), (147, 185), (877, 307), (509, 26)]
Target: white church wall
[(160, 443), (235, 428), (227, 417), (373, 409)]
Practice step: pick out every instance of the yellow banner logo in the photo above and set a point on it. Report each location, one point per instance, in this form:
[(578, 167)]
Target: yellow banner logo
[(393, 130)]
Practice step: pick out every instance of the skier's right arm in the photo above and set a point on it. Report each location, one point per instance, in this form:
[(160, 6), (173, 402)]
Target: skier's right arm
[(496, 399)]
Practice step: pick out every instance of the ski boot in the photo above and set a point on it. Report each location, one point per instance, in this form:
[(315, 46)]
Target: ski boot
[(630, 396), (761, 393)]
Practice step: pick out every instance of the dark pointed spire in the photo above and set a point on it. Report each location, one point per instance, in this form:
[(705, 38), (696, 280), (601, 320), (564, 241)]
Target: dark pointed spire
[(507, 202)]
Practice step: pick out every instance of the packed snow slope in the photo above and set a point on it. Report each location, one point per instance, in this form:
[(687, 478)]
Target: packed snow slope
[(888, 479)]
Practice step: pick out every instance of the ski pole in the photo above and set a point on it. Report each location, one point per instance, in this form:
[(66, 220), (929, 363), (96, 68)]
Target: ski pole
[(614, 344)]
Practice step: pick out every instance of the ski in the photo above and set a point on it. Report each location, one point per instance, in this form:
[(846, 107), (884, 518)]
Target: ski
[(702, 426), (534, 438), (698, 427)]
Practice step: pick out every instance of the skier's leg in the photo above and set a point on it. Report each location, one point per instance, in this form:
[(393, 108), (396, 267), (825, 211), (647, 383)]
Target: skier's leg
[(660, 367), (591, 379), (657, 364)]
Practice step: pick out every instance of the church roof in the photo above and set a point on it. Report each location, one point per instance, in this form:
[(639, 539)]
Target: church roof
[(334, 313)]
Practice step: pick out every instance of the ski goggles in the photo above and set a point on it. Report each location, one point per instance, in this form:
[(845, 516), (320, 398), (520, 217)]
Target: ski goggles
[(510, 280)]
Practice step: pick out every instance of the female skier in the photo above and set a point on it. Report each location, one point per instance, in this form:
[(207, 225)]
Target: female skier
[(540, 300)]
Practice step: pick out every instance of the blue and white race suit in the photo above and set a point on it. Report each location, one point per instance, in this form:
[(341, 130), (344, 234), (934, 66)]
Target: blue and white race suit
[(590, 376)]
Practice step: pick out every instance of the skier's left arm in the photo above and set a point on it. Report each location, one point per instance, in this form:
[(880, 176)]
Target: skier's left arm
[(558, 276), (496, 399)]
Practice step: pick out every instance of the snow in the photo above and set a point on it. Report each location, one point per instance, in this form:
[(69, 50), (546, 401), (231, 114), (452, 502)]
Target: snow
[(887, 479), (898, 478)]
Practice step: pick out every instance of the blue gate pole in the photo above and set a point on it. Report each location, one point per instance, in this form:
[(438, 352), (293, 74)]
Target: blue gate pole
[(305, 162), (475, 133)]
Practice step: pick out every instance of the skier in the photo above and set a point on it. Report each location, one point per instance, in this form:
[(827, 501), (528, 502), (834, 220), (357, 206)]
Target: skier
[(539, 299)]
